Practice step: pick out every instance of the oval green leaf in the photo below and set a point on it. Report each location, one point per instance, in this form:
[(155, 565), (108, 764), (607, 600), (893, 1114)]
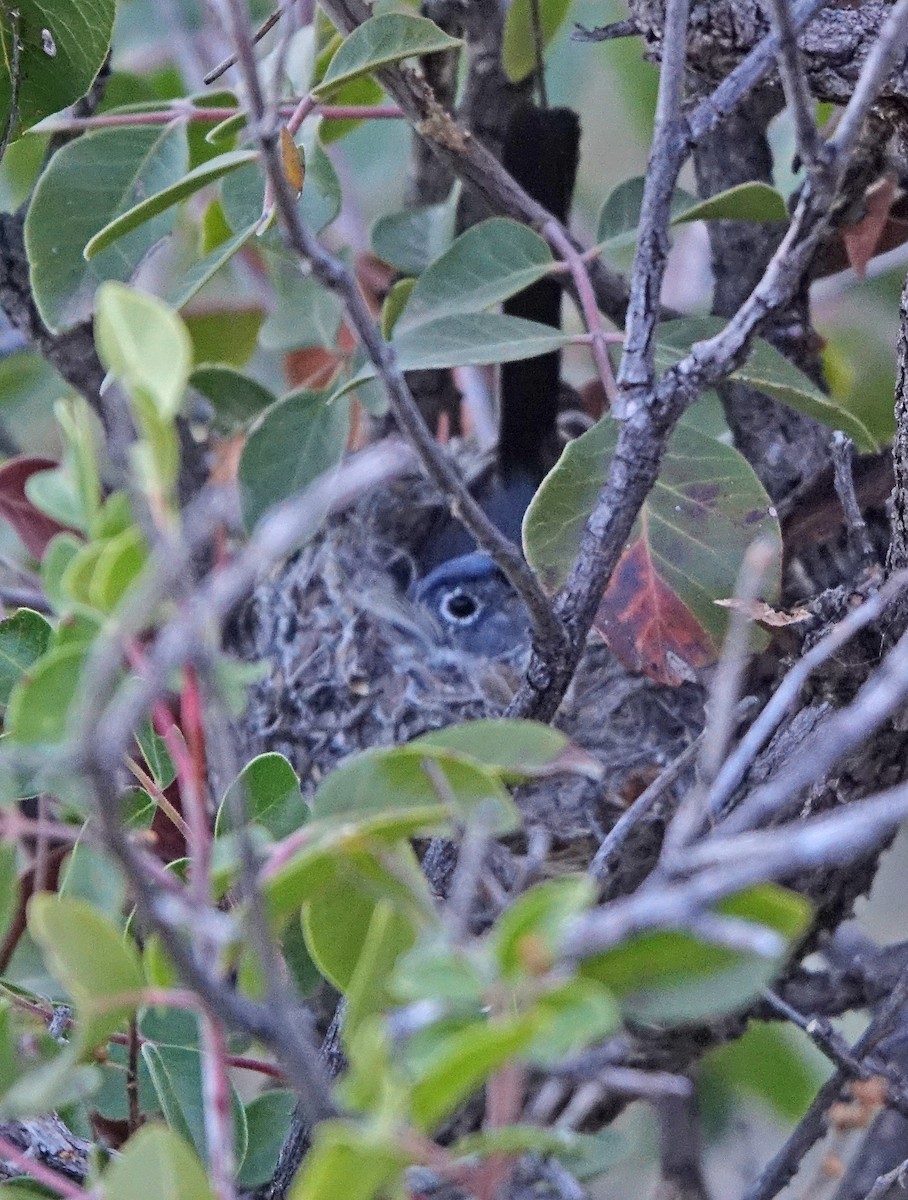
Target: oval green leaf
[(756, 201), (295, 441), (485, 265), (84, 186), (152, 206), (380, 41)]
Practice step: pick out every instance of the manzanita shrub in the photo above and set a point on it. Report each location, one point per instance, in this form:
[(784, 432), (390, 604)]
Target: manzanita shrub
[(161, 928)]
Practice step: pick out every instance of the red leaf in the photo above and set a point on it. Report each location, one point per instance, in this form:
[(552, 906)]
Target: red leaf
[(647, 626), (34, 527)]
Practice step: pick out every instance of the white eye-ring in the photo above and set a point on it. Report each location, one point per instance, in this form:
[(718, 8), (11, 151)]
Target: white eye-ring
[(459, 607)]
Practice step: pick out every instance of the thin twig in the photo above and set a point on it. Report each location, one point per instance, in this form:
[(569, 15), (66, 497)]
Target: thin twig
[(794, 83), (859, 542), (637, 370), (605, 33), (230, 61)]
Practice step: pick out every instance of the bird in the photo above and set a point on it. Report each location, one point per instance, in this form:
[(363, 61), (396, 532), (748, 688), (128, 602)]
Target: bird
[(470, 599)]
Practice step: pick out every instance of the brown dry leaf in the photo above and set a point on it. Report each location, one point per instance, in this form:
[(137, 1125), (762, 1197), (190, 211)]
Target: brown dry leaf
[(765, 614)]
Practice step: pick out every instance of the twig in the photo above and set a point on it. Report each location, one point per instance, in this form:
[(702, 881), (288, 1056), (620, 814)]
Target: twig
[(641, 443), (539, 52), (891, 1179), (719, 867), (859, 542), (637, 370), (230, 61), (794, 83), (605, 33), (721, 708), (614, 841)]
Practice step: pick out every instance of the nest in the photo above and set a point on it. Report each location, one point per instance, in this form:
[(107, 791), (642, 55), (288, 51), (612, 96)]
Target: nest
[(353, 664)]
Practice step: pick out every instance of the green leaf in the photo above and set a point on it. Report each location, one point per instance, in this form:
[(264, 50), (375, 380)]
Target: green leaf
[(352, 936), (484, 266), (514, 749), (470, 338), (684, 553), (526, 937), (272, 798), (267, 1120), (176, 1073), (23, 639), (305, 313), (156, 1162), (413, 239), (237, 398), (60, 552), (462, 1063), (119, 565), (295, 441), (570, 1018), (774, 1063), (87, 876), (146, 346), (9, 886), (380, 786), (619, 218), (379, 42), (363, 91), (39, 704), (91, 959), (432, 971), (343, 1163), (766, 370), (62, 47), (208, 173), (156, 756), (85, 185), (518, 52), (745, 202), (56, 1083), (190, 283), (672, 977), (394, 304)]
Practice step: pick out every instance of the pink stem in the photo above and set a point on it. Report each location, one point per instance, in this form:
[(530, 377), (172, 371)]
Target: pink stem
[(217, 1108), (563, 246), (211, 116)]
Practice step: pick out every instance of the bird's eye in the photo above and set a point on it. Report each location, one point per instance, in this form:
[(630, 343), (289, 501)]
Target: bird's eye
[(459, 607)]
